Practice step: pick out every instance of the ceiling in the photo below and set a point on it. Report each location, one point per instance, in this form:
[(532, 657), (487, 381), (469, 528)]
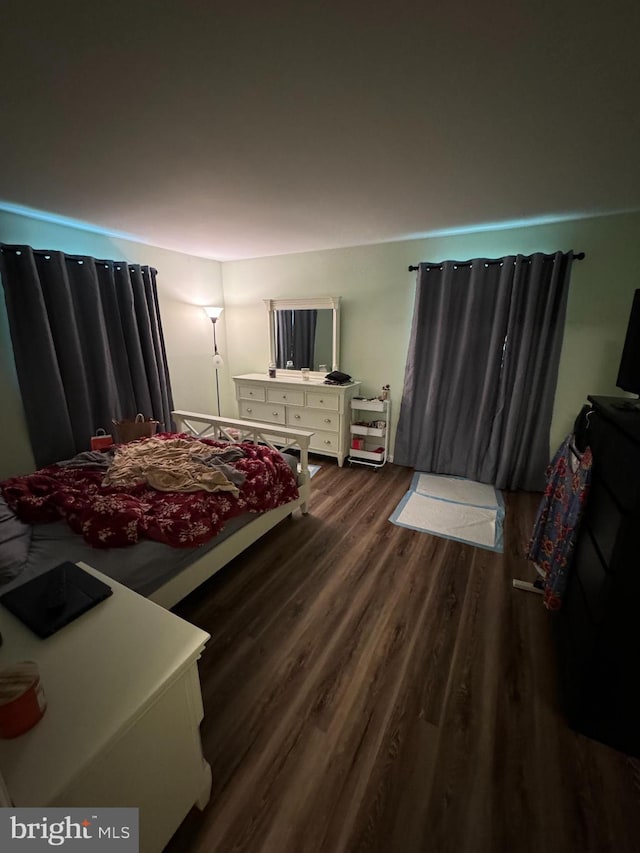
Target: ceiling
[(237, 130)]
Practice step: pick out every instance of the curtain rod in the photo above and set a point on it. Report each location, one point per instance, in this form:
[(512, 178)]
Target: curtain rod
[(579, 256)]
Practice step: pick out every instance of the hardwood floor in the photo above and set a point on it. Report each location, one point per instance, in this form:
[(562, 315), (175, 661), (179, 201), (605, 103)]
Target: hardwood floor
[(371, 688)]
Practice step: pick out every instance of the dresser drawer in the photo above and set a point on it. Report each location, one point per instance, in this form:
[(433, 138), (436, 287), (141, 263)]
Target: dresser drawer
[(322, 400), (594, 579), (604, 519), (270, 413), (252, 392), (614, 456), (325, 442), (313, 419), (288, 396)]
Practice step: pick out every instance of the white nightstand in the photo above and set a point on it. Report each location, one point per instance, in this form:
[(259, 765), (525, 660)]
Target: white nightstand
[(122, 723)]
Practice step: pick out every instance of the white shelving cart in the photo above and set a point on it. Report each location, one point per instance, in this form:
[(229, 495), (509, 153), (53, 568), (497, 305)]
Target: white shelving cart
[(369, 439)]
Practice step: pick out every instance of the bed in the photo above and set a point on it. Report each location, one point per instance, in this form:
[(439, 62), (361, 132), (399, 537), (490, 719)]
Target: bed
[(163, 573)]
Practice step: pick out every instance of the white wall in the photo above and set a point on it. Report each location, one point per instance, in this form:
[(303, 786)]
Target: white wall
[(184, 282), (377, 304), (378, 292)]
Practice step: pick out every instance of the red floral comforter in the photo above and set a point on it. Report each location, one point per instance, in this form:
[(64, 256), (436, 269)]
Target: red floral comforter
[(110, 517)]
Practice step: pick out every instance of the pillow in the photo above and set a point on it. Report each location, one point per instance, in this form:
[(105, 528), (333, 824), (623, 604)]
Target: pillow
[(15, 539)]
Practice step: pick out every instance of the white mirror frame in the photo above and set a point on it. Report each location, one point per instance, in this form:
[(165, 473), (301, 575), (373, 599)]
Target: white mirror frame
[(332, 302)]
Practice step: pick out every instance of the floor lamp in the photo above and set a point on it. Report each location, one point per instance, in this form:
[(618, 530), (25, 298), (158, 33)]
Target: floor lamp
[(213, 314)]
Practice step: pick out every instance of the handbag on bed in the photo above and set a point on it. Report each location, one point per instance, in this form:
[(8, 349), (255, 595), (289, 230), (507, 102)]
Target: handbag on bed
[(131, 429), (101, 440)]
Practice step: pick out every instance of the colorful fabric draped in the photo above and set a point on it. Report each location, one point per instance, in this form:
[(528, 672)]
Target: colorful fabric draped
[(555, 531)]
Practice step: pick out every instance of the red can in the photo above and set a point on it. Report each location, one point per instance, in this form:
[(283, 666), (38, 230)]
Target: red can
[(22, 699)]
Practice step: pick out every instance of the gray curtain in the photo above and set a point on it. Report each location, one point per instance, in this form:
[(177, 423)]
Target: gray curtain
[(482, 368), (304, 338), (88, 346), (295, 337), (284, 338)]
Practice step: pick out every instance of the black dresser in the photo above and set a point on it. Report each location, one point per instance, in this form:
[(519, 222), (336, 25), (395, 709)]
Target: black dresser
[(599, 624)]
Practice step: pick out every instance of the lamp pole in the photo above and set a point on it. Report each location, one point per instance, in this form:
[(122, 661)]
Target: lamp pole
[(216, 359), (213, 314)]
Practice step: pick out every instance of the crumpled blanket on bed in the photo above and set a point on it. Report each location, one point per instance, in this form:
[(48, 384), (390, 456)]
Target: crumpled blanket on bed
[(112, 516), (176, 465)]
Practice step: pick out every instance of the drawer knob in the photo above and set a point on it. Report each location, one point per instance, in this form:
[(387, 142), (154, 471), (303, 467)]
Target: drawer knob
[(248, 409), (327, 420), (321, 400), (275, 414), (327, 441), (297, 417), (251, 393), (284, 396)]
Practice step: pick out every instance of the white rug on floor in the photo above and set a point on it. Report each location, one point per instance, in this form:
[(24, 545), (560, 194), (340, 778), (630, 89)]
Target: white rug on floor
[(453, 508), (454, 489)]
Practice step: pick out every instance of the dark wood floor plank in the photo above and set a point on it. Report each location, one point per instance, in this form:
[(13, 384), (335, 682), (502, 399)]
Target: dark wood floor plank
[(372, 688)]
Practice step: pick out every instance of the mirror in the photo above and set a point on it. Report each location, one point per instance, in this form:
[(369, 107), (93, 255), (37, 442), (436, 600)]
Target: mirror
[(304, 333)]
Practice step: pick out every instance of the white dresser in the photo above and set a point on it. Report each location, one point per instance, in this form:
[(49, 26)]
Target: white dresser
[(122, 723), (295, 402)]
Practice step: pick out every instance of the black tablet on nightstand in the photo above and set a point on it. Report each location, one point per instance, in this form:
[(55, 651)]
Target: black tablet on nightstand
[(52, 600)]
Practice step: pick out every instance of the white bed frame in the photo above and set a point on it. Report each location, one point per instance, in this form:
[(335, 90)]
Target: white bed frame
[(235, 431)]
